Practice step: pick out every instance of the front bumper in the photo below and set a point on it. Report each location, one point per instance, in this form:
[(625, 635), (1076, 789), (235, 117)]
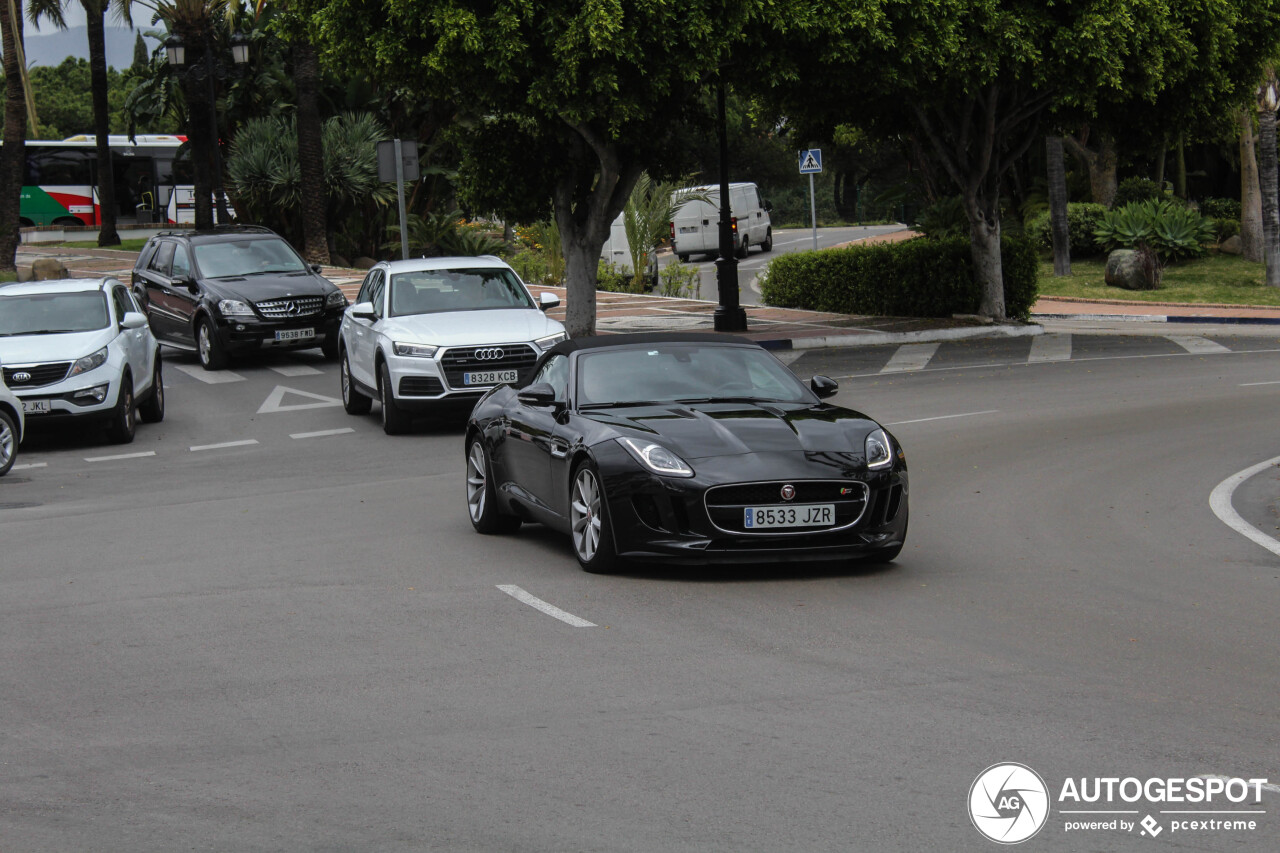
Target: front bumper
[(420, 384), (247, 334), (76, 397)]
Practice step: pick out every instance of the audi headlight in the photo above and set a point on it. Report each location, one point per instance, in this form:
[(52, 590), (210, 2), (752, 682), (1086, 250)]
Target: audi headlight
[(879, 450), (335, 300), (415, 350), (234, 308), (89, 362), (549, 341), (657, 458)]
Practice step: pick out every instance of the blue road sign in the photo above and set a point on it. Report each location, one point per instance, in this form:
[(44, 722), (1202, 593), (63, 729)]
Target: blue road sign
[(811, 161)]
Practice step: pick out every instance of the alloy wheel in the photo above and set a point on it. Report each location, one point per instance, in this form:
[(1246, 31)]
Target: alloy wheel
[(6, 444), (584, 514), (477, 481)]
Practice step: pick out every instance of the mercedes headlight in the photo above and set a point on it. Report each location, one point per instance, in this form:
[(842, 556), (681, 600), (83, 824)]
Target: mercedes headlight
[(89, 362), (335, 300), (879, 450), (234, 308), (657, 458), (549, 341), (415, 350)]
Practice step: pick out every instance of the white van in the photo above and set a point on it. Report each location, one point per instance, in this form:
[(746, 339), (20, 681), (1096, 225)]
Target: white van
[(696, 228), (617, 251)]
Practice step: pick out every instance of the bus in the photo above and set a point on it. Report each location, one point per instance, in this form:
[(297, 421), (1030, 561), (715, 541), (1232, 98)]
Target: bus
[(153, 186)]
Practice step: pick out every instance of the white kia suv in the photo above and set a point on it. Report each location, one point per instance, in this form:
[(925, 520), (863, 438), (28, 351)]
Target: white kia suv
[(80, 349), (435, 333), (10, 428)]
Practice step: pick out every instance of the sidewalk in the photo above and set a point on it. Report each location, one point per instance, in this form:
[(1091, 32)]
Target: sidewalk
[(775, 328)]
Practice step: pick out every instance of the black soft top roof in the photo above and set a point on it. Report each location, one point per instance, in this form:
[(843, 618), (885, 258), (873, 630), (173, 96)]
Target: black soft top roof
[(642, 338)]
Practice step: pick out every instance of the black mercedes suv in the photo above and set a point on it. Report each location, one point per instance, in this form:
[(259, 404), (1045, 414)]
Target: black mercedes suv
[(235, 289)]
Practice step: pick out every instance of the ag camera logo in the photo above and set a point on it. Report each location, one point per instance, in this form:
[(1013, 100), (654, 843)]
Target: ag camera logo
[(1008, 803)]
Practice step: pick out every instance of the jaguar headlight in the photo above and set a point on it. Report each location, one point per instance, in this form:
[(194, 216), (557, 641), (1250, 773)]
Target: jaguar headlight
[(657, 458), (415, 350), (879, 450), (549, 341), (89, 362)]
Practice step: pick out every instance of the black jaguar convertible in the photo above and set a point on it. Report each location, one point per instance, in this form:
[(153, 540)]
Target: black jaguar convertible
[(693, 448)]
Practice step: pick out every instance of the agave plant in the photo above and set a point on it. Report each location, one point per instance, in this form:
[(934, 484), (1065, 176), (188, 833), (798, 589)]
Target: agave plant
[(1173, 232)]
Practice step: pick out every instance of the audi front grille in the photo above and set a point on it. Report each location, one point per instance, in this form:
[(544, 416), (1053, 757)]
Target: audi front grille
[(459, 360), (35, 375), (286, 309)]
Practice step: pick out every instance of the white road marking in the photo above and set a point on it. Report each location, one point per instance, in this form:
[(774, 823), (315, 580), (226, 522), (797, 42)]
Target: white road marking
[(275, 401), (29, 465), (321, 433), (1251, 384), (296, 370), (1220, 503), (141, 455), (1197, 344), (550, 609), (911, 357), (244, 443), (209, 377), (944, 417), (991, 364), (1050, 347)]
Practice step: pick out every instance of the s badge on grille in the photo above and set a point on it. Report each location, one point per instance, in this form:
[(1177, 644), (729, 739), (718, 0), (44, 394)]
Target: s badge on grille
[(788, 492)]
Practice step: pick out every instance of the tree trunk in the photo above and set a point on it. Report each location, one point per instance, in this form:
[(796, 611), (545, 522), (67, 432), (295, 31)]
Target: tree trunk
[(1270, 204), (200, 131), (306, 74), (12, 154), (1058, 222), (1180, 176), (95, 13), (1160, 158), (984, 244), (1250, 194), (1100, 163)]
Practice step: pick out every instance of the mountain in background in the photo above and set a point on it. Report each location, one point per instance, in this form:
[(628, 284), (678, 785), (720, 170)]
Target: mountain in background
[(51, 48)]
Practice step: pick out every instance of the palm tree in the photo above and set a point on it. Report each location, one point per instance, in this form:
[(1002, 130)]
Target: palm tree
[(1268, 100), (647, 216), (17, 106), (95, 13)]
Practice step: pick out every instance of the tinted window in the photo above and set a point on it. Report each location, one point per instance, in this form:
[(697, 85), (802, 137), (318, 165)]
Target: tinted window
[(249, 256), (432, 291), (376, 291), (58, 167), (366, 288), (554, 372), (161, 259), (144, 258), (46, 313), (123, 302), (181, 262), (670, 372)]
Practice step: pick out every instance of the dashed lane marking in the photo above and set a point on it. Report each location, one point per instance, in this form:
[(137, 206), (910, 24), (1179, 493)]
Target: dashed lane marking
[(550, 609), (27, 466), (296, 370), (321, 433), (1197, 344), (243, 443), (910, 357), (209, 377), (1050, 347), (1252, 384), (119, 456), (944, 417), (275, 401)]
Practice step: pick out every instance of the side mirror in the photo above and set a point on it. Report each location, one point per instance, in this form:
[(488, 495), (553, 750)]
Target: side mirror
[(547, 301), (188, 282), (768, 206), (132, 320), (316, 268), (541, 394), (364, 311), (823, 386)]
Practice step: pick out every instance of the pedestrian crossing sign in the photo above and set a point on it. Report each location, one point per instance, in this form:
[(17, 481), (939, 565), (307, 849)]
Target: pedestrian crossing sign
[(811, 161)]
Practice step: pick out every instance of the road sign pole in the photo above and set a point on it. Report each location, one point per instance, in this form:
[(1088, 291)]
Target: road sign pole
[(404, 233), (813, 213)]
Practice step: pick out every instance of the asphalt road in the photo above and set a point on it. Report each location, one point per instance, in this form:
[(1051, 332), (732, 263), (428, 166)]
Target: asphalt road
[(300, 644)]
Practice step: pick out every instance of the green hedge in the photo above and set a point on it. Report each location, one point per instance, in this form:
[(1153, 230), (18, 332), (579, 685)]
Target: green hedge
[(1082, 219), (914, 278)]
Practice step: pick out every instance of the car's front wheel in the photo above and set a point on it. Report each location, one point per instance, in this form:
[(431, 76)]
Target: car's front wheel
[(482, 502), (8, 442), (124, 417), (330, 347), (152, 411), (589, 520), (767, 244), (353, 401), (394, 419), (212, 355)]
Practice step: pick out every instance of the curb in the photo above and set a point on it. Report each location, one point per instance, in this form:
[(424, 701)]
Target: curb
[(871, 339), (1199, 319)]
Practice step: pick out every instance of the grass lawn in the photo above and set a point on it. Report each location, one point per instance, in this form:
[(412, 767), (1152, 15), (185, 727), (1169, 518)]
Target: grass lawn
[(1215, 278), (125, 245)]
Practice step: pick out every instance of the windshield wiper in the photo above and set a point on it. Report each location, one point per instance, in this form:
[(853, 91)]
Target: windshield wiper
[(45, 332), (725, 400)]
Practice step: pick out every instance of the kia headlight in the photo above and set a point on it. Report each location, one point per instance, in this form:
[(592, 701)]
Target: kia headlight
[(549, 341), (234, 308), (335, 300), (879, 450), (656, 458), (89, 362), (415, 350)]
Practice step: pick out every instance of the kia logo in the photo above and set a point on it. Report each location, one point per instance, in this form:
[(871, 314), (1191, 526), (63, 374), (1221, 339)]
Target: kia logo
[(491, 354), (21, 376), (788, 492)]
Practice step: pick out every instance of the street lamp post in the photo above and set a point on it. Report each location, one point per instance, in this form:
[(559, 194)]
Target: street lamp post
[(729, 316), (176, 53)]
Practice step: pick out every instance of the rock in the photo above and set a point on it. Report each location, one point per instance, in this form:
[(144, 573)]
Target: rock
[(1124, 269), (338, 261), (24, 273), (1231, 246), (363, 263), (48, 269)]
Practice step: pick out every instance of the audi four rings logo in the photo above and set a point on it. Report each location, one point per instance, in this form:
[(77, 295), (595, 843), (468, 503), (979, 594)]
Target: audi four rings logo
[(788, 492), (21, 376), (491, 354)]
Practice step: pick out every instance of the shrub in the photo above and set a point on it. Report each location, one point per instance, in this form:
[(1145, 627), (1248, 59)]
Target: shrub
[(1221, 208), (1225, 229), (944, 219), (914, 278), (678, 279), (612, 279), (1169, 229), (1132, 190), (1082, 220)]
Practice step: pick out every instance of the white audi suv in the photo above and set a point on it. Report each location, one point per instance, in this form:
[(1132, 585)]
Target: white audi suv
[(436, 333)]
